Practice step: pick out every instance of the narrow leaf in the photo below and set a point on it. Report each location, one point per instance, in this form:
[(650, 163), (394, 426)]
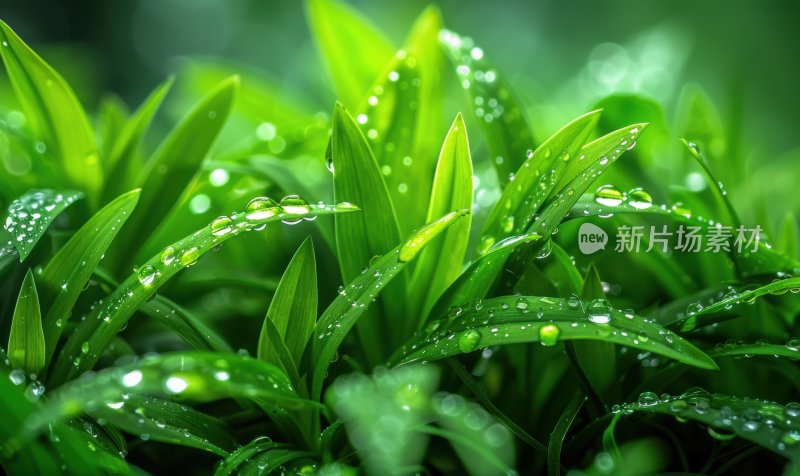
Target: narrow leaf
[(168, 422), (69, 270), (54, 112), (497, 110), (26, 341), (293, 309), (31, 214), (342, 314), (440, 263), (339, 31), (96, 331), (516, 319)]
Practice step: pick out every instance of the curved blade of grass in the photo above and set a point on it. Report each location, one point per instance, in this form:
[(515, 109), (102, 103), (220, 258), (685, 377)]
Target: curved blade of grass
[(471, 450), (342, 314), (477, 280), (389, 123), (123, 168), (282, 356), (339, 30), (268, 461), (112, 113), (560, 432), (69, 270), (173, 316), (790, 350), (31, 214), (702, 316), (372, 232), (516, 319), (26, 348), (441, 261), (293, 310), (767, 424), (535, 180), (95, 332), (787, 240), (720, 196), (498, 111), (196, 376), (54, 112), (172, 167), (167, 422), (235, 461)]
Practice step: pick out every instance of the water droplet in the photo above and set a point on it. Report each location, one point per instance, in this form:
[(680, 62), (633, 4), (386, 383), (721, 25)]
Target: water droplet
[(147, 274), (600, 311), (190, 256), (469, 340), (261, 208), (548, 334), (175, 384), (168, 255), (522, 304), (85, 348), (17, 377), (694, 308), (608, 195), (792, 409), (648, 399), (294, 205), (221, 226), (638, 198), (485, 244)]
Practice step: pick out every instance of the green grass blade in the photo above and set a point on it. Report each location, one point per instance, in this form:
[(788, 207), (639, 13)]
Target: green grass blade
[(535, 180), (787, 240), (172, 167), (196, 376), (790, 350), (112, 113), (293, 309), (517, 319), (767, 424), (372, 232), (698, 315), (724, 204), (167, 422), (197, 334), (123, 167), (389, 123), (93, 334), (560, 432), (497, 110), (31, 214), (54, 113), (477, 280), (26, 348), (281, 355), (440, 262), (339, 30), (233, 462), (69, 270), (343, 313)]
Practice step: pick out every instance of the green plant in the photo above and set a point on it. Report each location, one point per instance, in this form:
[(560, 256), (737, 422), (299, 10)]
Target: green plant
[(493, 345)]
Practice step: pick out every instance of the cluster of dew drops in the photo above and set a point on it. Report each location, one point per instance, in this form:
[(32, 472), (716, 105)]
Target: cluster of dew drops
[(476, 323), (30, 212), (292, 209), (760, 415)]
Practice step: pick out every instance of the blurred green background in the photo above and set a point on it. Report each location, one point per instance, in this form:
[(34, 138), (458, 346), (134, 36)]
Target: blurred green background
[(560, 55)]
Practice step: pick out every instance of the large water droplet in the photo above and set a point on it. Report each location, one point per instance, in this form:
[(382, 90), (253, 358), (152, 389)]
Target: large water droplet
[(147, 274), (600, 311), (469, 340), (190, 256), (261, 208), (221, 226), (648, 399), (608, 195), (548, 334), (638, 198), (168, 255)]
